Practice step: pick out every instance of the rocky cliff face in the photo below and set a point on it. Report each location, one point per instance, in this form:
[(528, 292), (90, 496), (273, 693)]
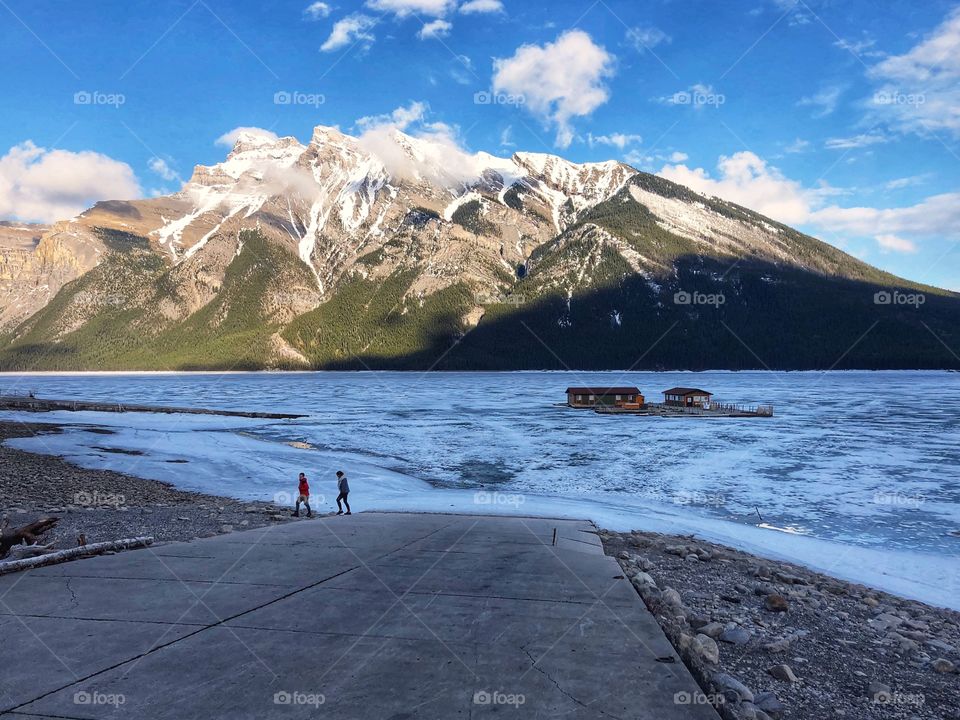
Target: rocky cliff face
[(358, 250)]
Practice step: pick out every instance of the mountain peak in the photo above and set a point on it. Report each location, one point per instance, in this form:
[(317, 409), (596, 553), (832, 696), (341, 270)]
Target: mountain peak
[(327, 135), (250, 139)]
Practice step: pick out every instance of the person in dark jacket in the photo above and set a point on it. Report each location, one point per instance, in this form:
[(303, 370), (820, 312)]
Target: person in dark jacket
[(343, 487), (304, 496)]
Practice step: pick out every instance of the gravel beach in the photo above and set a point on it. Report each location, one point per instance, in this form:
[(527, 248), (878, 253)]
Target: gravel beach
[(772, 639), (105, 505)]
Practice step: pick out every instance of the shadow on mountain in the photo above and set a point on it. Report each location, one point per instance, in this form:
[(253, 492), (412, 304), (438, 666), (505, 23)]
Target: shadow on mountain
[(757, 316)]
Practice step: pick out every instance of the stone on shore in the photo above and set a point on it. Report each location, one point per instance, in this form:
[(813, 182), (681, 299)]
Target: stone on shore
[(783, 672), (733, 690), (706, 648), (776, 603), (942, 665)]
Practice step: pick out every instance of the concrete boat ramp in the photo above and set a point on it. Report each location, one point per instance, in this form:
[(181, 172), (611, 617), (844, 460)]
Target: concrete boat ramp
[(376, 615)]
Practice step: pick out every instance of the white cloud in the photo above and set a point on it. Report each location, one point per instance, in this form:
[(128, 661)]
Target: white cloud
[(352, 29), (909, 181), (919, 91), (748, 180), (249, 135), (857, 141), (317, 11), (435, 29), (893, 243), (648, 162), (799, 12), (825, 101), (395, 138), (797, 146), (937, 55), (403, 8), (401, 118), (859, 48), (37, 184), (560, 81), (162, 168), (618, 140), (647, 37), (481, 6), (936, 216)]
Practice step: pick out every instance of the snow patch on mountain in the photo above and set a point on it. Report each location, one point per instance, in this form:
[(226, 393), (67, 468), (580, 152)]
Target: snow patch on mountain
[(716, 232), (462, 200)]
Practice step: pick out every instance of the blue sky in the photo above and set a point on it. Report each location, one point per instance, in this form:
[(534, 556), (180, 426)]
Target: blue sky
[(835, 117)]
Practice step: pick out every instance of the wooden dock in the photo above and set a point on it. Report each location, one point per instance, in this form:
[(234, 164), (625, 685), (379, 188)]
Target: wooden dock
[(714, 410), (35, 404)]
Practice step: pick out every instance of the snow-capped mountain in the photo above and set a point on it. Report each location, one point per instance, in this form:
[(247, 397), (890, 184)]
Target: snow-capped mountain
[(375, 250)]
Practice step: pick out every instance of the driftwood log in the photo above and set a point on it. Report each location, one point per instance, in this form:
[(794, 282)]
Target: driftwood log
[(73, 553), (26, 535)]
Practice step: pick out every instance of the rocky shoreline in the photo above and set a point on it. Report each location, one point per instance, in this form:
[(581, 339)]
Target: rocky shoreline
[(768, 639), (104, 505)]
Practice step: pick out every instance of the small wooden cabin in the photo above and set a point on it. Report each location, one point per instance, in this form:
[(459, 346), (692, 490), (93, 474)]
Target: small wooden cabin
[(588, 397), (686, 397)]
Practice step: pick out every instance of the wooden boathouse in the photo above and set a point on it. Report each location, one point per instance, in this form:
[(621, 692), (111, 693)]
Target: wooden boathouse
[(686, 397), (626, 397)]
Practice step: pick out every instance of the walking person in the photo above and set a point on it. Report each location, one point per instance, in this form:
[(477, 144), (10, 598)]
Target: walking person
[(303, 497), (344, 489)]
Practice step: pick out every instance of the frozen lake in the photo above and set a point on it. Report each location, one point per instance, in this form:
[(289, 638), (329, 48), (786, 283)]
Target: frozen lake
[(856, 474)]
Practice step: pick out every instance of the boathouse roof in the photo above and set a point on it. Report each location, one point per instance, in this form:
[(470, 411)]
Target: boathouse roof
[(686, 391), (603, 391)]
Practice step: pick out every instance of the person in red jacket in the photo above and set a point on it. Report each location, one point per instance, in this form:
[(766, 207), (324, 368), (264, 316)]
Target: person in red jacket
[(304, 497)]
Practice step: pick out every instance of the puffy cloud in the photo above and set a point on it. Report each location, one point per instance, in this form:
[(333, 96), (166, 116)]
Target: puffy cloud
[(413, 149), (936, 56), (825, 101), (401, 118), (647, 37), (352, 29), (919, 91), (617, 140), (249, 134), (38, 184), (481, 6), (560, 81), (162, 168), (403, 8), (893, 243), (435, 29), (936, 216), (746, 179), (317, 11)]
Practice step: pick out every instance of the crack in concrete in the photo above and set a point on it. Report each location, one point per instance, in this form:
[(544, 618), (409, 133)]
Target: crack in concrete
[(74, 600), (556, 683)]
